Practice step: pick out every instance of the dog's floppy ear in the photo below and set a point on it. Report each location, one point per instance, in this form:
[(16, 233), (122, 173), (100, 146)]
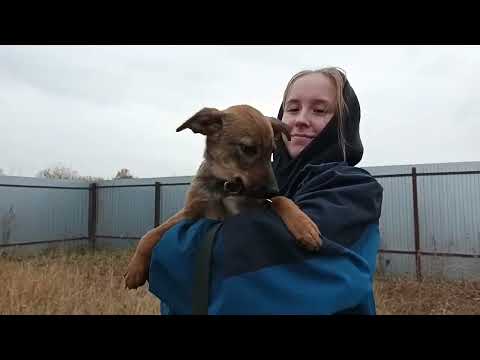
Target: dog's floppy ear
[(207, 122), (279, 127)]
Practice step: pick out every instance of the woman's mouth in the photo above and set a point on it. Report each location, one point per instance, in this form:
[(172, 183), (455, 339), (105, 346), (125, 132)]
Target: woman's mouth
[(302, 136)]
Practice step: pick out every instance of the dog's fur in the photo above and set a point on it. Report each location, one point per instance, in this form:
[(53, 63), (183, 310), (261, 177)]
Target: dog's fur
[(236, 174)]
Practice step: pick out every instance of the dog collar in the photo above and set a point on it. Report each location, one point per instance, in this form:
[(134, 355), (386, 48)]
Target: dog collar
[(235, 188)]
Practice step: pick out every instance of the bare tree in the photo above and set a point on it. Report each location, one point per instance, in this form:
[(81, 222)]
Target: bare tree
[(65, 173), (124, 174), (58, 172)]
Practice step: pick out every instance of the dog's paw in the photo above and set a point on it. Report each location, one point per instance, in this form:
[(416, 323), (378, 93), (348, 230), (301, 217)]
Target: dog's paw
[(306, 233), (137, 273)]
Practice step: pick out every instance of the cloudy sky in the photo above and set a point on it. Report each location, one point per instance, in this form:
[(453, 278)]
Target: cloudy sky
[(97, 109)]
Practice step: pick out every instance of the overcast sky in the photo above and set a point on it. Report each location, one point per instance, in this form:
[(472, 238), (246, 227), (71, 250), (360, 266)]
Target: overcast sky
[(97, 109)]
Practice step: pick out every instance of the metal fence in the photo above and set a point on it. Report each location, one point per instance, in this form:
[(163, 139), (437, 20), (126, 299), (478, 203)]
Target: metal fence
[(430, 222), (41, 213), (434, 219)]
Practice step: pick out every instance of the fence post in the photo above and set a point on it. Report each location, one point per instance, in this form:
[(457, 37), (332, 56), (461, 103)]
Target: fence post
[(156, 219), (418, 263), (92, 214)]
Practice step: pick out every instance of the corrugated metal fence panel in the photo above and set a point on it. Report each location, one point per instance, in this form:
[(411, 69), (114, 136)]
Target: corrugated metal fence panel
[(398, 264), (456, 268), (389, 170), (172, 199), (39, 214), (125, 212), (449, 219), (449, 213), (128, 212), (396, 222)]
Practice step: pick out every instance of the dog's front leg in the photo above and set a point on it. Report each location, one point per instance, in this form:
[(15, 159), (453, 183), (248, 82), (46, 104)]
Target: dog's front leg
[(137, 270), (300, 225)]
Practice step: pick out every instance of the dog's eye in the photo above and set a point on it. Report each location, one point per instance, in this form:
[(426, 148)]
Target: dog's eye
[(248, 150)]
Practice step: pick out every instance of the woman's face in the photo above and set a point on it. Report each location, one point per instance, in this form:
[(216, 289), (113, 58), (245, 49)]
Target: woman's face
[(309, 106)]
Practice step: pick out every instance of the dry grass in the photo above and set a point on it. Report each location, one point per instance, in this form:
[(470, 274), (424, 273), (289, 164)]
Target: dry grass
[(86, 283), (71, 283), (400, 296)]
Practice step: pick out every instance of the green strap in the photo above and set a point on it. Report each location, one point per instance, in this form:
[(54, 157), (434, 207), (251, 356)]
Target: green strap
[(201, 285)]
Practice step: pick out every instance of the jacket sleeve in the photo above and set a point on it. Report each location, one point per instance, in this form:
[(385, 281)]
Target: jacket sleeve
[(258, 267)]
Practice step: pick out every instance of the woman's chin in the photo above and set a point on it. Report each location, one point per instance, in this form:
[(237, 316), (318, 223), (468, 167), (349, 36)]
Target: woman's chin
[(296, 146), (294, 151)]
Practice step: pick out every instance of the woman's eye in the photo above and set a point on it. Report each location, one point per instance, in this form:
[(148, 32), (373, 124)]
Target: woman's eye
[(292, 110), (319, 111), (248, 150)]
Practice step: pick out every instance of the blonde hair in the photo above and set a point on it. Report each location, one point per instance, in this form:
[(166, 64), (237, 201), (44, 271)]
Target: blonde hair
[(338, 78)]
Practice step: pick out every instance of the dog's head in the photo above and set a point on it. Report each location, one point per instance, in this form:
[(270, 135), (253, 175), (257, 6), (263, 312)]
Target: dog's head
[(240, 143)]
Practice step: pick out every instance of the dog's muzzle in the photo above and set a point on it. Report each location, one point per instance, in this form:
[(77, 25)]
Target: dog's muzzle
[(233, 187), (236, 188)]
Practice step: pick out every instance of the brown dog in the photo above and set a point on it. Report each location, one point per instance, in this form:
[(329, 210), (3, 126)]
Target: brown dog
[(236, 174)]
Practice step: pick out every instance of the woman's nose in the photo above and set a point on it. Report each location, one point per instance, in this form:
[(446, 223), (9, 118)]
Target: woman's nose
[(301, 119)]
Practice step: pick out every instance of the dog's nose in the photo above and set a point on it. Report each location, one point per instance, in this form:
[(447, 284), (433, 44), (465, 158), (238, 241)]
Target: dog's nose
[(235, 186)]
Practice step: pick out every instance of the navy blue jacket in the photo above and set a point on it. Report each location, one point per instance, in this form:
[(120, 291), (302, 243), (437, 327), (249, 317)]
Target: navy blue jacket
[(258, 267)]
